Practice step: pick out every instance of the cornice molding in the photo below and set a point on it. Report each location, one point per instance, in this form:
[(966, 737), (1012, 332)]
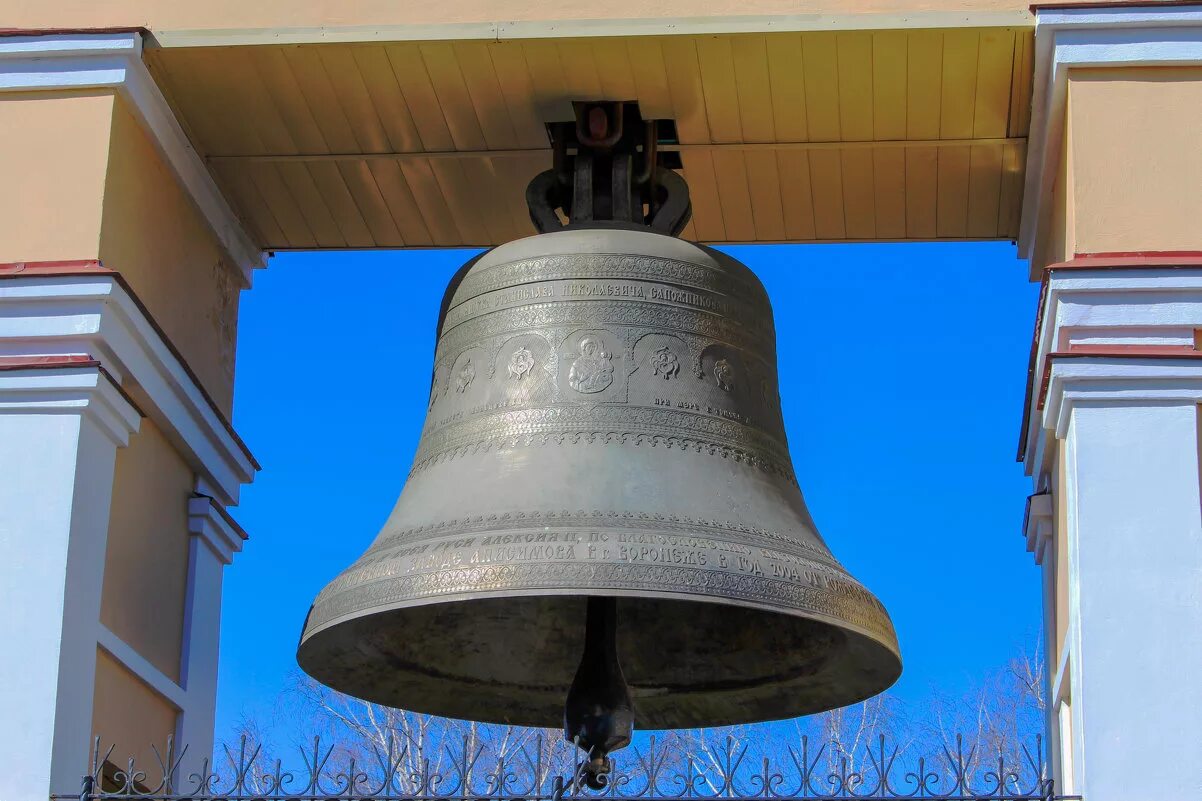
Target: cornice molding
[(213, 524), (1037, 524), (1154, 35), (1145, 307), (92, 312), (76, 61), (1118, 381), (80, 387)]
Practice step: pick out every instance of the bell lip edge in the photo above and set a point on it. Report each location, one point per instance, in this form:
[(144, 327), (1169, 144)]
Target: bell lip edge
[(891, 648), (890, 643)]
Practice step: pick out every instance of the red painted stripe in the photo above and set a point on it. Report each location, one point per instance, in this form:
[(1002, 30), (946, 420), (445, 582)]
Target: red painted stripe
[(1127, 261), (46, 362), (1110, 352), (57, 31), (1123, 349), (1064, 6), (14, 269), (66, 362), (1154, 254)]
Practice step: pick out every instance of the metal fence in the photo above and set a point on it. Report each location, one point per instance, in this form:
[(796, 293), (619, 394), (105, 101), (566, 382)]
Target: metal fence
[(542, 769)]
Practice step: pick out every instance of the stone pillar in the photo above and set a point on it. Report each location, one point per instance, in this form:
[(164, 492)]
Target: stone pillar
[(120, 268), (1111, 440), (61, 422)]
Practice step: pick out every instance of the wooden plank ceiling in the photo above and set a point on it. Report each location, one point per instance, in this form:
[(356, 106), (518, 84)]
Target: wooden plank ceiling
[(862, 135)]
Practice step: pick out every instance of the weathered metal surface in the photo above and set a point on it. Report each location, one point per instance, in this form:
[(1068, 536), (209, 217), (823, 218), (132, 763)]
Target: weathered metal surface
[(604, 420)]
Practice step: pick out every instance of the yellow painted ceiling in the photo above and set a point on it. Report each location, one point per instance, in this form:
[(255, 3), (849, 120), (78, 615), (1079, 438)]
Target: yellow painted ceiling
[(858, 135)]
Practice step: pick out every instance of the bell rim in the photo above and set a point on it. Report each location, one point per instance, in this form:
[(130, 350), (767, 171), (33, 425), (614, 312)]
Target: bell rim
[(618, 592), (890, 666), (887, 662)]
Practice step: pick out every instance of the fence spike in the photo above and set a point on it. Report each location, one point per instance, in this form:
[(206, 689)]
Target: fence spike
[(668, 771)]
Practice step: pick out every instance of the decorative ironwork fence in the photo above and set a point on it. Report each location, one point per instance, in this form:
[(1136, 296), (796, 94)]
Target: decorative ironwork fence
[(541, 769)]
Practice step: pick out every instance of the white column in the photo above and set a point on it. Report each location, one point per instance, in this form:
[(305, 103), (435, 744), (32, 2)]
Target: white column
[(1040, 532), (215, 540), (1135, 573), (1113, 403), (1065, 744), (60, 428)]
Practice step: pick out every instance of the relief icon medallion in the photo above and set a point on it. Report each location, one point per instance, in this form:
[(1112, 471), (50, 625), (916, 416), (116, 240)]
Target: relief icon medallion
[(724, 374), (467, 374), (664, 362), (521, 363), (593, 370)]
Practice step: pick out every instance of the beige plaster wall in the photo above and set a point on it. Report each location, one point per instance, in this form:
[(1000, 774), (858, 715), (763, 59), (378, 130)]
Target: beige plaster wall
[(1057, 245), (1136, 149), (53, 157), (130, 716), (154, 236), (83, 180), (146, 562)]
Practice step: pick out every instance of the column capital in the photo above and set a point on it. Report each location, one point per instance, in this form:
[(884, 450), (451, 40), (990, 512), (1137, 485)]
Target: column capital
[(68, 385), (1152, 35), (209, 521), (1037, 524), (113, 61)]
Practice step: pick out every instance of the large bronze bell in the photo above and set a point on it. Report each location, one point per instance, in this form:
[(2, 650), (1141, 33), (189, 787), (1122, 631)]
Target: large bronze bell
[(604, 423)]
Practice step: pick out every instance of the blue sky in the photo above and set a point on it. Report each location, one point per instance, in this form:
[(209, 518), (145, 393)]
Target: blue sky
[(902, 369)]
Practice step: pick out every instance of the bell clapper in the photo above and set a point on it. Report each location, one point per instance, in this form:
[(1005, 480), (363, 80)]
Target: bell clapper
[(598, 713)]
